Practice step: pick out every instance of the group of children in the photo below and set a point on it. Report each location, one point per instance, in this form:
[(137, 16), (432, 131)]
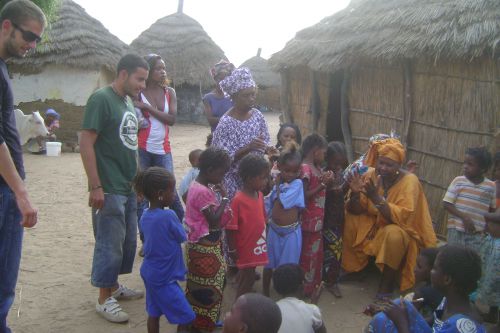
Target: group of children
[(279, 220)]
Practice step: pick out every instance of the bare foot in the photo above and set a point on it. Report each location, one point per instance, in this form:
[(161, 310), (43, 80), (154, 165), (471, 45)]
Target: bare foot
[(317, 293), (334, 290)]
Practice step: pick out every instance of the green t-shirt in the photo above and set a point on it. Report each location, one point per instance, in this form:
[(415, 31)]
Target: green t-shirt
[(113, 118)]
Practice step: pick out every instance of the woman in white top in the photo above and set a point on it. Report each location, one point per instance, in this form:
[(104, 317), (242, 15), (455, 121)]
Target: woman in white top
[(157, 106)]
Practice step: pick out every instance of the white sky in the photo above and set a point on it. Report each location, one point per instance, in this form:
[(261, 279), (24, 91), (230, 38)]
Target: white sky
[(239, 27)]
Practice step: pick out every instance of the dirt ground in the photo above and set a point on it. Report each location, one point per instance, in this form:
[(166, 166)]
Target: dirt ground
[(54, 292)]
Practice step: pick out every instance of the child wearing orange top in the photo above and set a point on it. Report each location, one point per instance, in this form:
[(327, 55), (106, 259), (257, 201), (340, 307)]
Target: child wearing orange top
[(315, 181), (246, 233)]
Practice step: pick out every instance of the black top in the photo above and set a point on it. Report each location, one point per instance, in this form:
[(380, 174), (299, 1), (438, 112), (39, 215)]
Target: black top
[(8, 130)]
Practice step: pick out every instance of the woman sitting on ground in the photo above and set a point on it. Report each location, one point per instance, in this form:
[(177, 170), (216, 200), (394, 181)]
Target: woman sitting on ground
[(387, 217)]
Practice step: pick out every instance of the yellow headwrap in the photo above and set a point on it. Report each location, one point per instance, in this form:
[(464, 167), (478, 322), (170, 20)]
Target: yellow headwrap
[(390, 148)]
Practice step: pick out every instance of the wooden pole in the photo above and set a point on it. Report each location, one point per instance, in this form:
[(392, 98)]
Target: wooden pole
[(285, 97), (315, 103), (180, 6), (344, 116), (407, 105)]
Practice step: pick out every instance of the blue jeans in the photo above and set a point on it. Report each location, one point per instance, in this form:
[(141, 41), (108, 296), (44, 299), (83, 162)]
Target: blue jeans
[(115, 233), (11, 238), (146, 160)]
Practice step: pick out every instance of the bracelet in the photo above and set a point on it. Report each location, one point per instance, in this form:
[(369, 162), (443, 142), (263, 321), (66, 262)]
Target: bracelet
[(225, 199), (93, 188), (323, 184), (380, 204), (231, 251)]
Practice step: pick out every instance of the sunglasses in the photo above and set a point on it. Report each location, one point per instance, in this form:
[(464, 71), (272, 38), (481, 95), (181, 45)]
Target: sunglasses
[(28, 35)]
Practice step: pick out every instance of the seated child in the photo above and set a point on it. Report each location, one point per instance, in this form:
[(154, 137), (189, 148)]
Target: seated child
[(163, 263), (431, 297), (246, 233), (283, 205), (191, 175), (297, 316), (456, 273), (253, 313)]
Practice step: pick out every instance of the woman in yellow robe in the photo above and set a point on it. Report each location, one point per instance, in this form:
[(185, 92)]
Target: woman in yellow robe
[(387, 217)]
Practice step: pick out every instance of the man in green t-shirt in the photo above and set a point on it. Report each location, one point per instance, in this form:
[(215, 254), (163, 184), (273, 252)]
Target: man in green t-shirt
[(108, 146)]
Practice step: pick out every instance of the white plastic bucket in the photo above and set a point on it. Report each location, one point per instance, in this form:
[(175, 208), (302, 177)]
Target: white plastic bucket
[(53, 149)]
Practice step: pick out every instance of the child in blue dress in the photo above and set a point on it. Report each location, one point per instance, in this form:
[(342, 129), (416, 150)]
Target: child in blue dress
[(163, 263), (283, 207)]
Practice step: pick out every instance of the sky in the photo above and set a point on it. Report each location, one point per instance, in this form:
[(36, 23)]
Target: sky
[(239, 27)]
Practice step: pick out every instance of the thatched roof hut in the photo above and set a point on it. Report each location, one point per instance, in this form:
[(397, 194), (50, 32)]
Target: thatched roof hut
[(188, 51), (76, 56), (75, 39), (261, 72), (428, 69), (269, 82)]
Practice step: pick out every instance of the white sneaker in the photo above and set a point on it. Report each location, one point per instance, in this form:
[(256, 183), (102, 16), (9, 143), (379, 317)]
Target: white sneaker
[(111, 311), (126, 293)]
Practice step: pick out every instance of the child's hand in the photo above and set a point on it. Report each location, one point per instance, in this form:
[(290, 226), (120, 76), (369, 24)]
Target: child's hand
[(327, 177), (221, 189), (469, 225), (234, 255), (397, 313)]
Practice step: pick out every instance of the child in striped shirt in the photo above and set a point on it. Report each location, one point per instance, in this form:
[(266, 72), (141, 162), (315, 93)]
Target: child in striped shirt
[(468, 198)]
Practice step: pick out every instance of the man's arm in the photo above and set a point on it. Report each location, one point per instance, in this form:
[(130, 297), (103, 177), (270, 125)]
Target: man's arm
[(16, 184), (87, 152)]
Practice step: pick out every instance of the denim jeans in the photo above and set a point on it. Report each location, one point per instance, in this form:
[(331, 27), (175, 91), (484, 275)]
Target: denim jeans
[(146, 160), (11, 237), (115, 233)]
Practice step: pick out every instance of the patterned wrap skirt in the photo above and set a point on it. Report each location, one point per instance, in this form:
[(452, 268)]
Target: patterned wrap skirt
[(205, 283)]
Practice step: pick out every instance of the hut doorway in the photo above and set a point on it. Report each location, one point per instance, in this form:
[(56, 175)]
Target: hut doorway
[(333, 118)]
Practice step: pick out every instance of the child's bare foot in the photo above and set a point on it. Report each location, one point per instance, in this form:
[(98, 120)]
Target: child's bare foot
[(317, 293), (334, 289)]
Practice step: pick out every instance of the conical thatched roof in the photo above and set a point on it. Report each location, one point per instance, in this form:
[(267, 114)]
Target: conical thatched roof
[(186, 48), (74, 39), (261, 72), (394, 29)]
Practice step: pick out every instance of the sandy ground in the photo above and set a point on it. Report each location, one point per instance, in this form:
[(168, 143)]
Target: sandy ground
[(54, 292)]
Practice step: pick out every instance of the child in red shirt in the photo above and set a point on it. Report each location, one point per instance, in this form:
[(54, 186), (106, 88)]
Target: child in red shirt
[(246, 233)]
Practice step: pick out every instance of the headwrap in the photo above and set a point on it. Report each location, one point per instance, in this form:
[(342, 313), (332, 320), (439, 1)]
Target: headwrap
[(240, 79), (390, 148), (359, 166), (222, 67), (52, 112)]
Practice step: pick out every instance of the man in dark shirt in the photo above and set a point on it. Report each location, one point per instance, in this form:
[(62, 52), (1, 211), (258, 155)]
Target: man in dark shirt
[(21, 25)]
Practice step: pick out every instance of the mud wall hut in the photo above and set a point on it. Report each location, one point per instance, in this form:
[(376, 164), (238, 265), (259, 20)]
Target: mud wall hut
[(267, 80), (429, 69), (189, 53), (76, 56)]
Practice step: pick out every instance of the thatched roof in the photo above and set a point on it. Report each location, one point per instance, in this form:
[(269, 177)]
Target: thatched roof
[(261, 72), (186, 48), (74, 39), (390, 30)]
